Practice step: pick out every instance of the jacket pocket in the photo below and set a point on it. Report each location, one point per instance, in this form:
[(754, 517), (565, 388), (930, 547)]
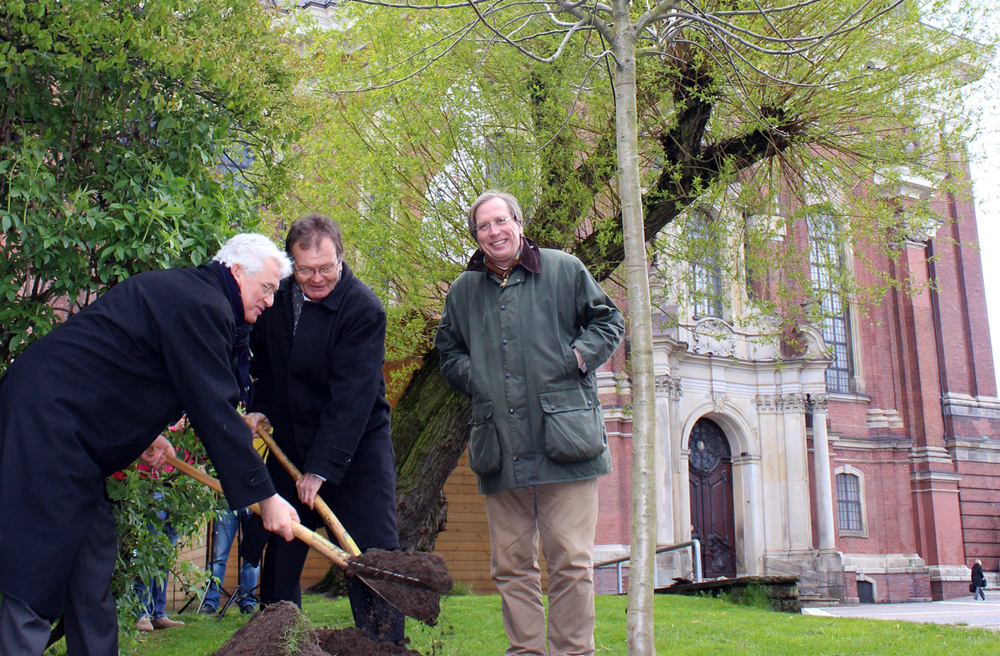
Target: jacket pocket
[(574, 426), (484, 446)]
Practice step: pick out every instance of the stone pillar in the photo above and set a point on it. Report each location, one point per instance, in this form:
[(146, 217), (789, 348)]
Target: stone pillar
[(821, 462)]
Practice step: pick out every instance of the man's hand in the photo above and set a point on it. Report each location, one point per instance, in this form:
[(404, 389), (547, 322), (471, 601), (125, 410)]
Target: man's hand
[(254, 418), (156, 455), (308, 486), (277, 515)]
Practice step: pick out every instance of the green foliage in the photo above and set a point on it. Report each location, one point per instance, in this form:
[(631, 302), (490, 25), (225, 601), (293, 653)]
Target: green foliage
[(114, 117), (145, 504), (756, 136)]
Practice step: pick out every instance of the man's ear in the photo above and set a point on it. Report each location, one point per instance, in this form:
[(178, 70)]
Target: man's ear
[(238, 273)]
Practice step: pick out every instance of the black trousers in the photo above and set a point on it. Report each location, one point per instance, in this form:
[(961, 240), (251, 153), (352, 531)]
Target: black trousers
[(89, 615)]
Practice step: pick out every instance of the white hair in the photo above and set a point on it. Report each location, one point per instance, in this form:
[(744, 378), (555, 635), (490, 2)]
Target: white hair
[(250, 251)]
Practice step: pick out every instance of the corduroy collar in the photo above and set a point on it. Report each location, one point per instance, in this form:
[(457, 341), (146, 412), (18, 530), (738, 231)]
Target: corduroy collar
[(530, 258)]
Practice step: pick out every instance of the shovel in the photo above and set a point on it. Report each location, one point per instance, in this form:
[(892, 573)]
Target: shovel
[(357, 564), (417, 601)]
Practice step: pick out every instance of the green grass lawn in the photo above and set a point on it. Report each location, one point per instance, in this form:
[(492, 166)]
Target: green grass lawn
[(471, 626)]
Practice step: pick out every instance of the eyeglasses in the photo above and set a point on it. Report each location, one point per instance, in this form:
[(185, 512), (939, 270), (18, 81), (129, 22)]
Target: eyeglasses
[(324, 271), (268, 289), (484, 229)]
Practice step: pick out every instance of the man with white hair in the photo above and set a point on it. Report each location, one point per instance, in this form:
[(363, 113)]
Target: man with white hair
[(93, 395)]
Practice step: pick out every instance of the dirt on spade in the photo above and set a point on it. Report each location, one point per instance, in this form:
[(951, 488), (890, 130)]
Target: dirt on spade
[(282, 630), (411, 581)]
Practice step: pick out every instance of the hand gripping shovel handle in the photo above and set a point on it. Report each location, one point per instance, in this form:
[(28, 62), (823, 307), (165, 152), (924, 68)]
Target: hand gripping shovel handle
[(419, 608), (331, 551), (343, 537)]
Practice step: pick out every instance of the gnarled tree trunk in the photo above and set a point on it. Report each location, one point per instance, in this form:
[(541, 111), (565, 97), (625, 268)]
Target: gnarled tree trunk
[(430, 430)]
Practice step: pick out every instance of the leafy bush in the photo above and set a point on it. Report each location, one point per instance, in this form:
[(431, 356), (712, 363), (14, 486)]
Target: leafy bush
[(116, 118), (144, 550)]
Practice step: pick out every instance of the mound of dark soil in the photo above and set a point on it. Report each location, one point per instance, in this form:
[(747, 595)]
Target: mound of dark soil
[(281, 629), (352, 641)]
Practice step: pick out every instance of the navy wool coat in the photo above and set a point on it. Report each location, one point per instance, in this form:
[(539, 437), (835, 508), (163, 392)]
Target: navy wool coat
[(323, 391), (88, 398)]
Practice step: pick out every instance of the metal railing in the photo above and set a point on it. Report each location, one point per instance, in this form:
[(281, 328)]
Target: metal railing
[(694, 544)]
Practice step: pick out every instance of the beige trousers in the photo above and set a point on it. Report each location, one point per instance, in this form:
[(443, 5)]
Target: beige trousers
[(564, 515)]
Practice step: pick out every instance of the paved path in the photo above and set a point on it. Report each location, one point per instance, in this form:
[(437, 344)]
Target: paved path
[(985, 614)]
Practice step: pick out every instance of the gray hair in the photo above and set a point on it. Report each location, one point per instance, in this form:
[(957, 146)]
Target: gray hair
[(250, 251), (485, 197)]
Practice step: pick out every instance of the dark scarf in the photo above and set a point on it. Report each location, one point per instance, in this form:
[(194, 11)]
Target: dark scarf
[(240, 357)]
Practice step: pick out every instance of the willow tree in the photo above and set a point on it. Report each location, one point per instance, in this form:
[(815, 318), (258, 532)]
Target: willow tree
[(611, 121)]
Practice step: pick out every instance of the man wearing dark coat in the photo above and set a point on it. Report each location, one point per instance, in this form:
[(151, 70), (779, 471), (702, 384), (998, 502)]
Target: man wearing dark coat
[(93, 395), (317, 364)]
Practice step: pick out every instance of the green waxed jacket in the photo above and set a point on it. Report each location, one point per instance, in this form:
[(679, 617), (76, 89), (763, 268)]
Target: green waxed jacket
[(536, 418)]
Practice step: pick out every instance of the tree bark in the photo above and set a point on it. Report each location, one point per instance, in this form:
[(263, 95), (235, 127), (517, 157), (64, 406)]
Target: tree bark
[(639, 615), (430, 430)]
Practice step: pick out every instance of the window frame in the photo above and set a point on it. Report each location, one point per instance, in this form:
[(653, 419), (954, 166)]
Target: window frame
[(862, 530)]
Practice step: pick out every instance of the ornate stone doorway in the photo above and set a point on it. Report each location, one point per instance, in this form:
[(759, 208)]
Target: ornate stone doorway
[(710, 466)]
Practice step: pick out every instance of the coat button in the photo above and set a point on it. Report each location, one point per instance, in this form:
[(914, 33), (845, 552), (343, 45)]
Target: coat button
[(505, 341), (512, 411), (552, 407), (347, 458), (508, 376), (516, 458), (590, 403), (502, 307)]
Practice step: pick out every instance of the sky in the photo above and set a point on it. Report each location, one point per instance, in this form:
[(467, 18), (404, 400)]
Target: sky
[(985, 166)]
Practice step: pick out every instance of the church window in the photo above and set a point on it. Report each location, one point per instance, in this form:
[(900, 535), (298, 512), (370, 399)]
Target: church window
[(706, 274), (849, 511), (826, 264)]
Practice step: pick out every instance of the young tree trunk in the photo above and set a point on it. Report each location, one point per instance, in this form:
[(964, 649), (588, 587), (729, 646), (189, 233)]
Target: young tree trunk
[(639, 616)]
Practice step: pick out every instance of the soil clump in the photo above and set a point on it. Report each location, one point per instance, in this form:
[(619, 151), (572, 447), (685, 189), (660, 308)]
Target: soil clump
[(424, 579), (427, 570), (281, 629)]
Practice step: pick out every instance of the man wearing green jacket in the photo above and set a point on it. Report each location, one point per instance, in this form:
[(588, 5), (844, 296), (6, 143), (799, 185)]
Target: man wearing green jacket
[(522, 333)]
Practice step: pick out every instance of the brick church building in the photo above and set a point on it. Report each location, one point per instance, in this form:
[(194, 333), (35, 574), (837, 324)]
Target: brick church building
[(865, 463)]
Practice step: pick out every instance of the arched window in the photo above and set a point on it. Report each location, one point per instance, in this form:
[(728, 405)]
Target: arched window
[(850, 502)]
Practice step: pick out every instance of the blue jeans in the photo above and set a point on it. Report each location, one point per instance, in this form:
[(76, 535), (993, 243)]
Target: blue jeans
[(223, 535), (155, 598)]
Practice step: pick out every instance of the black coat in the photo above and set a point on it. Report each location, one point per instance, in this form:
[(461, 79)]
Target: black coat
[(88, 398), (978, 578), (324, 394)]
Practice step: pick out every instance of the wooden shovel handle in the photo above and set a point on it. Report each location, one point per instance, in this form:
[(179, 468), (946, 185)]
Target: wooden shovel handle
[(314, 540), (343, 537)]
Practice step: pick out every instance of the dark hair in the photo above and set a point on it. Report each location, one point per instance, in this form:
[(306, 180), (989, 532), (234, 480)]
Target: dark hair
[(311, 229)]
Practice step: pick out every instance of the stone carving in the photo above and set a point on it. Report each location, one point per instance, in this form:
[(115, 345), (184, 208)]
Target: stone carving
[(713, 337), (670, 386), (774, 403), (818, 402)]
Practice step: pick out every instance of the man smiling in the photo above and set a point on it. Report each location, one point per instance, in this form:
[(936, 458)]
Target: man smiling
[(522, 333)]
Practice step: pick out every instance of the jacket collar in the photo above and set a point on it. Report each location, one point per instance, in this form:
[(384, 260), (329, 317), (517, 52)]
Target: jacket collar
[(530, 258)]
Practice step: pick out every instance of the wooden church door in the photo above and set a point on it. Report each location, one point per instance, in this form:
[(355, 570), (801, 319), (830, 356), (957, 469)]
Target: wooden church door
[(710, 467)]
